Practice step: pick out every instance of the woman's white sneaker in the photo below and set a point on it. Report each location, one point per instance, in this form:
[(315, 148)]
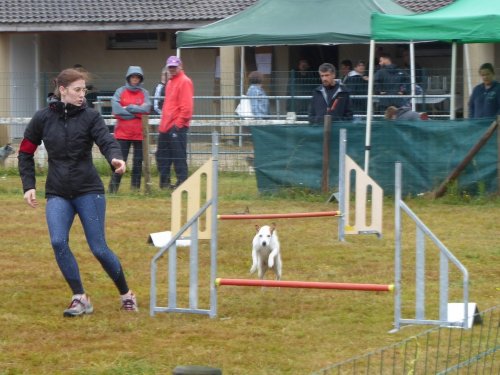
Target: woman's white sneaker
[(80, 305), (129, 303)]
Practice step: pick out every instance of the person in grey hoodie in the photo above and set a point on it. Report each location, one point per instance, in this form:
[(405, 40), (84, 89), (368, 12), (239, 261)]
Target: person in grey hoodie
[(128, 104)]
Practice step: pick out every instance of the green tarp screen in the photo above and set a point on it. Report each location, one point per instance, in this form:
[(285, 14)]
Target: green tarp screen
[(291, 155)]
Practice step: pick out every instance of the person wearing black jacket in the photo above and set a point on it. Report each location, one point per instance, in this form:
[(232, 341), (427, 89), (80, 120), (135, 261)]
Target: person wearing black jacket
[(331, 98), (357, 82), (391, 81), (69, 129)]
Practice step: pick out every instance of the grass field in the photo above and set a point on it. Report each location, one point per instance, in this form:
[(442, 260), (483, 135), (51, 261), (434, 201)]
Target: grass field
[(270, 331)]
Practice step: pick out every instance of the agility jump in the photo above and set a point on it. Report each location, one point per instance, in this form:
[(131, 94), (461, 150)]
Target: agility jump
[(199, 213), (305, 285)]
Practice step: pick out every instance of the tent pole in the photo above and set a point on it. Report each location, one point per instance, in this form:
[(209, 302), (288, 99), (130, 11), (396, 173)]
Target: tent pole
[(369, 109), (242, 69), (412, 77), (467, 68), (453, 79)]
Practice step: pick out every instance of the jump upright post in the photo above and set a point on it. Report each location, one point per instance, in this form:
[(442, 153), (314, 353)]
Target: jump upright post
[(362, 198), (447, 311)]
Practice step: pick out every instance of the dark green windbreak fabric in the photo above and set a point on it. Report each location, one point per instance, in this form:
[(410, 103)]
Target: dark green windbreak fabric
[(292, 22), (464, 21), (291, 155)]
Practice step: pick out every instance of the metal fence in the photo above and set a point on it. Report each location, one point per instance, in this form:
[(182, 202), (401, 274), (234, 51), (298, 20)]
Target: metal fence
[(440, 350), (236, 149), (213, 112), (22, 93)]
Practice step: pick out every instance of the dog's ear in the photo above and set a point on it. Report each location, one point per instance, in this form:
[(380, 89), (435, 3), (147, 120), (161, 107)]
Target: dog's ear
[(273, 227), (257, 227)]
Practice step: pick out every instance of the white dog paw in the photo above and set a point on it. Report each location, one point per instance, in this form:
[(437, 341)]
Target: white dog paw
[(271, 263), (253, 269)]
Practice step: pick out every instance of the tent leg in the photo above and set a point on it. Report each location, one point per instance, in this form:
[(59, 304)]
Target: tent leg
[(412, 77), (453, 80), (369, 109)]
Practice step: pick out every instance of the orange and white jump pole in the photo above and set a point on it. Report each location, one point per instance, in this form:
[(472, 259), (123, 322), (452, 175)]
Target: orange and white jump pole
[(279, 216), (305, 284)]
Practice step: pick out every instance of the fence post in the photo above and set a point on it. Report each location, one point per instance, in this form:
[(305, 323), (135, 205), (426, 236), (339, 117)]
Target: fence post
[(498, 156), (327, 128), (146, 164)]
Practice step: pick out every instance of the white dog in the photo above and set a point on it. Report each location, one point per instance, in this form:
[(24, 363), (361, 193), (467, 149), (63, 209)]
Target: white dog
[(266, 251)]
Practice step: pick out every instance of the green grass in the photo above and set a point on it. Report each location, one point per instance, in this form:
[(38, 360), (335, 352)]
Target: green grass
[(270, 331)]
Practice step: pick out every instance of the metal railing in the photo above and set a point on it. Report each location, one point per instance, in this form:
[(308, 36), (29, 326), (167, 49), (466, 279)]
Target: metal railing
[(278, 106), (439, 350)]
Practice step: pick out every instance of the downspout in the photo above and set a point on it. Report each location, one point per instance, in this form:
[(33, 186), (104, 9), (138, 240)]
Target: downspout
[(36, 47)]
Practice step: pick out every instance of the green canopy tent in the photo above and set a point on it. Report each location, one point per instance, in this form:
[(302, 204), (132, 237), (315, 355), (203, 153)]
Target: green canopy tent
[(292, 22), (463, 21)]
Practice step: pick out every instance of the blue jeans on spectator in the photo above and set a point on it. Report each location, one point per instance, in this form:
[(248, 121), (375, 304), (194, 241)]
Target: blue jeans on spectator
[(137, 157), (172, 151), (91, 208)]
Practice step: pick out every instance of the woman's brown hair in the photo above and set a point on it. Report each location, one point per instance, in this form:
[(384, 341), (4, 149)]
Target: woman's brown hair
[(67, 77)]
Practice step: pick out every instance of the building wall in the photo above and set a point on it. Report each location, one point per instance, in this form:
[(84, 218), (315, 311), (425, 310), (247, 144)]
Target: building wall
[(4, 75), (33, 60)]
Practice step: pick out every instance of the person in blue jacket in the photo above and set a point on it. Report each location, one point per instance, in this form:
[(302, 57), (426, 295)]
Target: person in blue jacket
[(485, 99), (260, 106)]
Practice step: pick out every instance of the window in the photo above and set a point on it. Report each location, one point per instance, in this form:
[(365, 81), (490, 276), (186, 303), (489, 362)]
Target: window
[(133, 41)]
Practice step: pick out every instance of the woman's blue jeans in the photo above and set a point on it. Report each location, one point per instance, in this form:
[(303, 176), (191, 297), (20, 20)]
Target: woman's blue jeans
[(91, 208)]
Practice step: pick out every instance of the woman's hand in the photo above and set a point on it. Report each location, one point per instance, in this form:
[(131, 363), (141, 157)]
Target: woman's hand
[(119, 166), (30, 197)]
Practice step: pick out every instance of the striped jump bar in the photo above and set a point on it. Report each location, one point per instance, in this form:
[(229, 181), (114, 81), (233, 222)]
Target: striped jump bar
[(305, 284), (279, 216)]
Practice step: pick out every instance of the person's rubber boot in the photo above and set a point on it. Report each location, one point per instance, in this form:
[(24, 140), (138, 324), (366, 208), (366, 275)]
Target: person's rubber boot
[(113, 185), (164, 183)]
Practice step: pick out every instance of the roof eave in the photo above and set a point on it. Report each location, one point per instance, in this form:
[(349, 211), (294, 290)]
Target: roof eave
[(103, 26)]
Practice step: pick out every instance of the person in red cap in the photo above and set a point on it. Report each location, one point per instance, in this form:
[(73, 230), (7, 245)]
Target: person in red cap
[(174, 124)]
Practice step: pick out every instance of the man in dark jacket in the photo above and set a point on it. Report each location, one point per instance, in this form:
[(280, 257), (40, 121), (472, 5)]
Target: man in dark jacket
[(390, 80), (357, 82), (302, 81), (331, 98)]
